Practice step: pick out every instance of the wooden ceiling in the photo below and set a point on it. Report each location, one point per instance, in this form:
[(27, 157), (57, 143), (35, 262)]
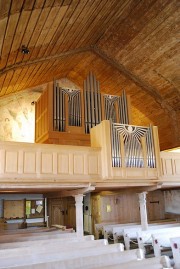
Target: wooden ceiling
[(128, 44)]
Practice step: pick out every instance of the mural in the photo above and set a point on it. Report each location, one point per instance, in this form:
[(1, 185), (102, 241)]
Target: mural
[(17, 116)]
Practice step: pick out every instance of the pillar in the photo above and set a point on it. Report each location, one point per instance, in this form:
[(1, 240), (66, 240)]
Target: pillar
[(143, 210), (79, 215)]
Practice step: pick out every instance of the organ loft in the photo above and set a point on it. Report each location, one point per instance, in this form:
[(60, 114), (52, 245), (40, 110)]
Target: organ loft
[(66, 116)]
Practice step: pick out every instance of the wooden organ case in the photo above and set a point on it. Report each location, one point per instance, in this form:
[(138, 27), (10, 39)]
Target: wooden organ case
[(65, 116)]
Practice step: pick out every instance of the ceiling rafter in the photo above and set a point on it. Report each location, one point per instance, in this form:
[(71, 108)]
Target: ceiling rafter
[(44, 59)]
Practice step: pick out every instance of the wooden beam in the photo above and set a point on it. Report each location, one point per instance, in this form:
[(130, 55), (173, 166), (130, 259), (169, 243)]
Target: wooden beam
[(44, 59), (129, 75), (130, 190), (65, 193)]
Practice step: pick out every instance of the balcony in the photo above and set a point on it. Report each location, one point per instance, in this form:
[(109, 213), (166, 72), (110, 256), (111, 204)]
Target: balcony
[(33, 166)]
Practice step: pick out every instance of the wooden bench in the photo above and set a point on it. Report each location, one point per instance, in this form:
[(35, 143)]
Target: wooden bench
[(59, 247), (175, 246), (108, 229), (27, 230), (145, 237), (161, 240), (98, 228), (45, 242), (13, 237), (118, 229), (35, 236), (130, 233), (79, 258), (61, 251), (151, 263)]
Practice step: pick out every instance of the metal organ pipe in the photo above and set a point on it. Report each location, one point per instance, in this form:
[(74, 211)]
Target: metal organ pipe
[(133, 150), (92, 102)]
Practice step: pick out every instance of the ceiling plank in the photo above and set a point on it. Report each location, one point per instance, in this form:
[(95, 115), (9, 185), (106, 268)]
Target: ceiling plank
[(48, 45), (8, 40), (5, 7), (17, 40)]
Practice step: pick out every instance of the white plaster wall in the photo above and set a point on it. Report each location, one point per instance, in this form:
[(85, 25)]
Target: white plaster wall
[(172, 201), (17, 116)]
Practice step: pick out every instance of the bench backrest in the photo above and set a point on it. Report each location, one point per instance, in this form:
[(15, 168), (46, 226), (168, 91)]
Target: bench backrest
[(53, 247), (150, 263), (53, 235), (6, 237), (162, 240), (146, 236), (65, 254), (108, 229), (75, 259), (46, 242)]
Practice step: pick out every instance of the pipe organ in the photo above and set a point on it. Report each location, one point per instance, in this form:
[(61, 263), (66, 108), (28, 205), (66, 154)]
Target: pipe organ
[(92, 103), (132, 146), (60, 107), (116, 108), (68, 112), (65, 116)]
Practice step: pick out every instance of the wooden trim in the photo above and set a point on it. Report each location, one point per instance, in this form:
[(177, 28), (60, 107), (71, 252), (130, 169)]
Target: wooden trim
[(44, 59)]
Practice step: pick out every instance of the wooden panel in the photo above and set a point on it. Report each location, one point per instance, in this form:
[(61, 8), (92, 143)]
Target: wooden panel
[(177, 166), (93, 164), (170, 164), (63, 164), (46, 163), (155, 205), (11, 163), (14, 209), (123, 208), (30, 162), (168, 167), (42, 116), (78, 162)]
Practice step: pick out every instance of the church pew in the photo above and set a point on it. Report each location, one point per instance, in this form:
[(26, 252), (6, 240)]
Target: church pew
[(77, 259), (162, 240), (55, 245), (13, 237), (46, 242), (98, 228), (118, 229), (130, 233), (27, 230), (145, 237), (151, 263), (108, 229), (37, 236), (175, 246), (59, 247)]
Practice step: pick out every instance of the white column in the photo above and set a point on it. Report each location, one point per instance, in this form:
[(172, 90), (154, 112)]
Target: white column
[(79, 215), (143, 210)]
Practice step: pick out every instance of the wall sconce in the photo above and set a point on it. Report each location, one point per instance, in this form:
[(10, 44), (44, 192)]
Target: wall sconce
[(25, 50)]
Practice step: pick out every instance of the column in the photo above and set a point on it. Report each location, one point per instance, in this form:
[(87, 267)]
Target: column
[(143, 210), (79, 215)]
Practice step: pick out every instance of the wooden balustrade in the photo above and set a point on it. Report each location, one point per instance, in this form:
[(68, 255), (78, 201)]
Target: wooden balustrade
[(57, 164)]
